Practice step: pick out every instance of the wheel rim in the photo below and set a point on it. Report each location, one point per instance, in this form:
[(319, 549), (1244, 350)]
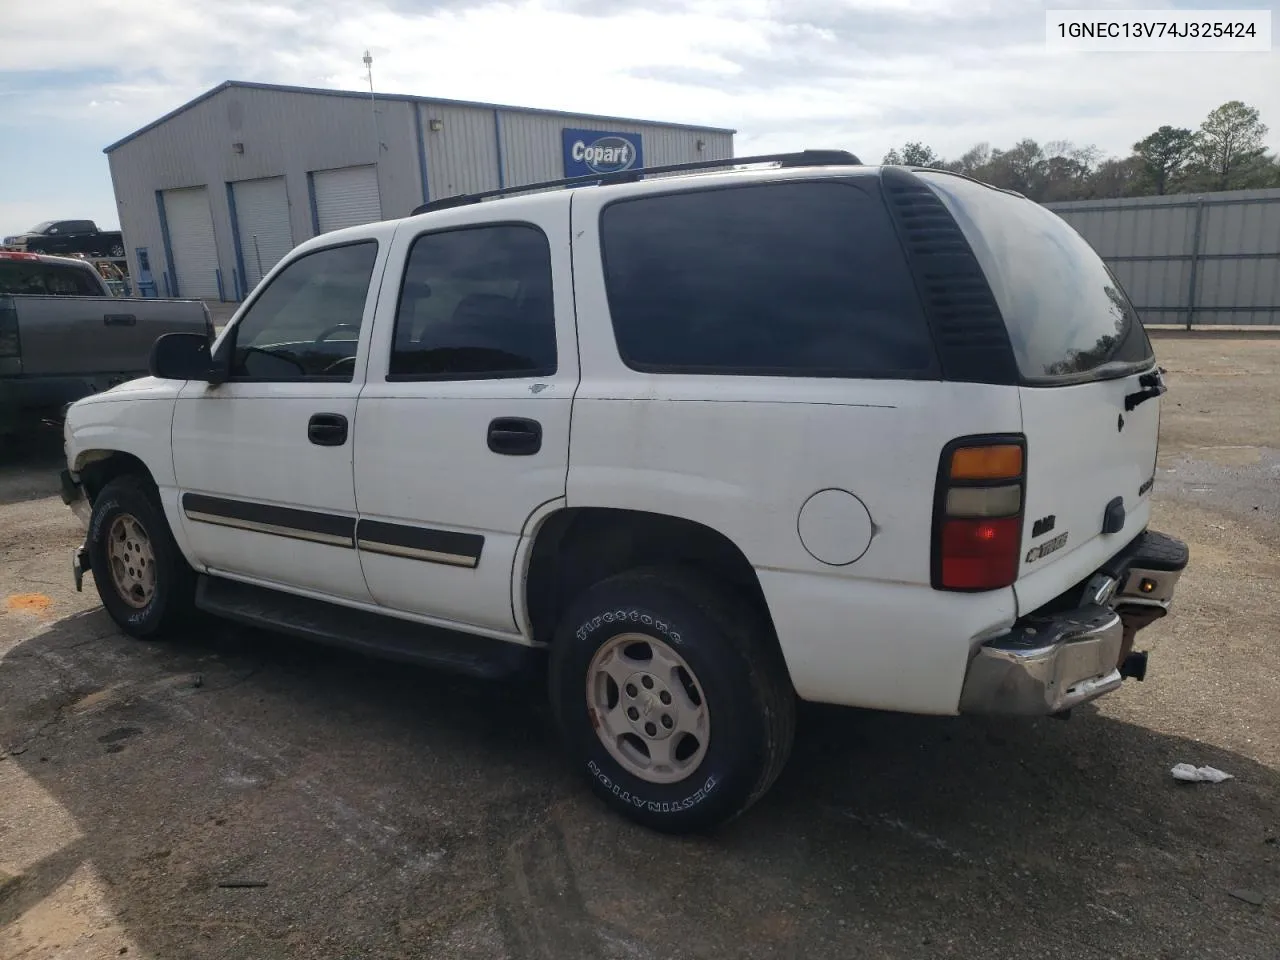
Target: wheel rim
[(648, 708), (132, 561)]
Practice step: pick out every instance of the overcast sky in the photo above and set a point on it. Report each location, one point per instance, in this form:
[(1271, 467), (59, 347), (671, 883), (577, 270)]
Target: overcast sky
[(863, 75)]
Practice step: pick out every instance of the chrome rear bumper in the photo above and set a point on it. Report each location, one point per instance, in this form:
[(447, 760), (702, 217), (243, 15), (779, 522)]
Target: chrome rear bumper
[(1051, 663), (1046, 666)]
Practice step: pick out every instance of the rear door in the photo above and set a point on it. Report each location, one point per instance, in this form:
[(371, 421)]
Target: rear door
[(1089, 410), (462, 430)]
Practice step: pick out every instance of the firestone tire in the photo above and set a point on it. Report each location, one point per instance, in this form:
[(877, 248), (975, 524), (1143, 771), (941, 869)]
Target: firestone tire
[(130, 543), (737, 672)]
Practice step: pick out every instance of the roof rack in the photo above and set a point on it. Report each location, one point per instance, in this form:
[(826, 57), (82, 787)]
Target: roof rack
[(804, 158)]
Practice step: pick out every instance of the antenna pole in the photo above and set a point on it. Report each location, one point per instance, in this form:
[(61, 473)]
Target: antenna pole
[(373, 105)]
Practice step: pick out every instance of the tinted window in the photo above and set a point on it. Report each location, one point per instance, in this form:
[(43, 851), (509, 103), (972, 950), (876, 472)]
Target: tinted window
[(790, 278), (306, 323), (1066, 313), (476, 303), (47, 279)]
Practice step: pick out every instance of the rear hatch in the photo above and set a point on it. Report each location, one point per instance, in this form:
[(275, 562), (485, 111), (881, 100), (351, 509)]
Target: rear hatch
[(1089, 386)]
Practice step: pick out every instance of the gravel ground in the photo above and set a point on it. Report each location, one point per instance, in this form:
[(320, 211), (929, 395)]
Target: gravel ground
[(383, 811)]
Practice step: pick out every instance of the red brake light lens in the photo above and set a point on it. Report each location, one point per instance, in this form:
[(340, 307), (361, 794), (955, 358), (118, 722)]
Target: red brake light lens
[(980, 554)]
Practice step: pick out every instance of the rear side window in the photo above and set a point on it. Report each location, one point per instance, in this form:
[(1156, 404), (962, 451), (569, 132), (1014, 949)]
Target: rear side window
[(778, 279), (475, 304), (1067, 315), (47, 279)]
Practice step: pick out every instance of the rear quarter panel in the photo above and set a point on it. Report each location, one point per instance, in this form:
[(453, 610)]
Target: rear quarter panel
[(870, 633)]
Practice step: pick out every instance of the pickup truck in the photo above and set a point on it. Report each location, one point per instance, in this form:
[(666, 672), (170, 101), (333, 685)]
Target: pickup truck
[(63, 336), (68, 236), (705, 444)]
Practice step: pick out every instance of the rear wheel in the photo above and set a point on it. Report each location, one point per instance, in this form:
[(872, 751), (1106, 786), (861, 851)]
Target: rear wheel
[(671, 698), (142, 577)]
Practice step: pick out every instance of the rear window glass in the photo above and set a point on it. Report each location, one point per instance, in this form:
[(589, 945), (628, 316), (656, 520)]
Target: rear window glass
[(1066, 313), (800, 279), (46, 279)]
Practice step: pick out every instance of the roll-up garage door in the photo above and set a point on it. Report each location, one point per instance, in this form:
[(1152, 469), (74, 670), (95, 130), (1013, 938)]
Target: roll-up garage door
[(262, 226), (346, 196), (195, 255)]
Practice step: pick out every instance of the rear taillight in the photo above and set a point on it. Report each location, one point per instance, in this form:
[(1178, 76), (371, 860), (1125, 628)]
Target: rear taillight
[(977, 516), (9, 345)]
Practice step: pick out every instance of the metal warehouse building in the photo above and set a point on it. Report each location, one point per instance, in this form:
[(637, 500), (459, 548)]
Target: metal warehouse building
[(212, 195)]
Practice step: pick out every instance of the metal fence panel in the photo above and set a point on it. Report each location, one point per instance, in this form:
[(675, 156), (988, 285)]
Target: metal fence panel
[(1190, 259)]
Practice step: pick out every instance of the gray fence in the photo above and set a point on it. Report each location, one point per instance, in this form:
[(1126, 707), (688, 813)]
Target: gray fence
[(1190, 259)]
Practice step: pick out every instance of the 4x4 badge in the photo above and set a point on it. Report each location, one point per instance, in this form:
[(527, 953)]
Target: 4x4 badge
[(1046, 548)]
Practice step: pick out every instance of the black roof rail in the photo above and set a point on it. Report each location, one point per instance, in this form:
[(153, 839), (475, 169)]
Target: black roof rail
[(804, 158)]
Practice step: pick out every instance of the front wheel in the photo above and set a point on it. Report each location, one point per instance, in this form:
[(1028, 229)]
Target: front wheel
[(142, 577), (671, 698)]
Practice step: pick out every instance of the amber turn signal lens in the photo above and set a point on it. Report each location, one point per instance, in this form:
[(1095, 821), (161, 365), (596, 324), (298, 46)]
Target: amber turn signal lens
[(999, 462)]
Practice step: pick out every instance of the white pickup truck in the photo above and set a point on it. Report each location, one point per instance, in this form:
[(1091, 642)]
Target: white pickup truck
[(714, 441)]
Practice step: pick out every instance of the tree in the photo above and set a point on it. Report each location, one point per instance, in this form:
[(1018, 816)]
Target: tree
[(1229, 143), (971, 161), (913, 154), (1117, 178), (1163, 155), (1020, 168), (1066, 170)]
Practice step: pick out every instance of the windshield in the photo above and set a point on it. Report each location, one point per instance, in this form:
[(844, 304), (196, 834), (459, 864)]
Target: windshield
[(1066, 313), (42, 227)]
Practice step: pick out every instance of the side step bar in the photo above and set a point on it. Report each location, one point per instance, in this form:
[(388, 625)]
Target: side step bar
[(381, 636)]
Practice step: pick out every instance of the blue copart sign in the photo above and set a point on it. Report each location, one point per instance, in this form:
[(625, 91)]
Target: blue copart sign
[(598, 151)]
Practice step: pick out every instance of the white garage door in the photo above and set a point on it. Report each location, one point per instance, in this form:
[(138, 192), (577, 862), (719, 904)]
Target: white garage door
[(262, 222), (346, 196), (195, 255)]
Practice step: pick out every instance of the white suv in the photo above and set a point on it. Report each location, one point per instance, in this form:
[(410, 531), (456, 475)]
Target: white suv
[(714, 441)]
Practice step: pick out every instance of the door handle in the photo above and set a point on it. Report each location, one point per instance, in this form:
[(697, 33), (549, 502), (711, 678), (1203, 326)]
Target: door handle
[(119, 320), (327, 429), (515, 436)]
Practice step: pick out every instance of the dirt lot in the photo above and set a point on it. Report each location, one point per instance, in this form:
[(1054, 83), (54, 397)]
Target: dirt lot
[(393, 812)]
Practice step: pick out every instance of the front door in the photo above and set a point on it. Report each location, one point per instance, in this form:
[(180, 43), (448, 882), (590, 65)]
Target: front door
[(462, 430), (264, 460)]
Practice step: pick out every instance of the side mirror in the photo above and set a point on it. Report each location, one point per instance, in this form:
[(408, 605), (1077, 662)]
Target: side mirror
[(183, 356)]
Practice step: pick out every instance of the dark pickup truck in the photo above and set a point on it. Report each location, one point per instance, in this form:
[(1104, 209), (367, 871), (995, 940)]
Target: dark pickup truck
[(63, 336), (68, 236)]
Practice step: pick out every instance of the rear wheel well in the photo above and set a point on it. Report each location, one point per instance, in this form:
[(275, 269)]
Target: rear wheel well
[(577, 547), (105, 465)]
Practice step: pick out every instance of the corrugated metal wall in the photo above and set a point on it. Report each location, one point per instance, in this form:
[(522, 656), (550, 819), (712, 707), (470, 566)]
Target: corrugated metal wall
[(533, 149), (1190, 259), (290, 132)]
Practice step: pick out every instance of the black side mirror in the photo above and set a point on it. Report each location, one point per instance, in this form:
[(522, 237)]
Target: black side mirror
[(183, 356)]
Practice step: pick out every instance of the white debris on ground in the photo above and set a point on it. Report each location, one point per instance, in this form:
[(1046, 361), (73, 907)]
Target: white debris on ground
[(1190, 774)]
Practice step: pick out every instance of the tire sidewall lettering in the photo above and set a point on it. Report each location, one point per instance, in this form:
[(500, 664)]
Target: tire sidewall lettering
[(653, 806), (631, 615)]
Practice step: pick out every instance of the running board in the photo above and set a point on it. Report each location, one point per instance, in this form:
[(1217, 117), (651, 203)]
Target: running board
[(378, 635)]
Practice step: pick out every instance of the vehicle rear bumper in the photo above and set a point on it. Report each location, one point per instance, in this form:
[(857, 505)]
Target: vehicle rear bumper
[(1054, 661)]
